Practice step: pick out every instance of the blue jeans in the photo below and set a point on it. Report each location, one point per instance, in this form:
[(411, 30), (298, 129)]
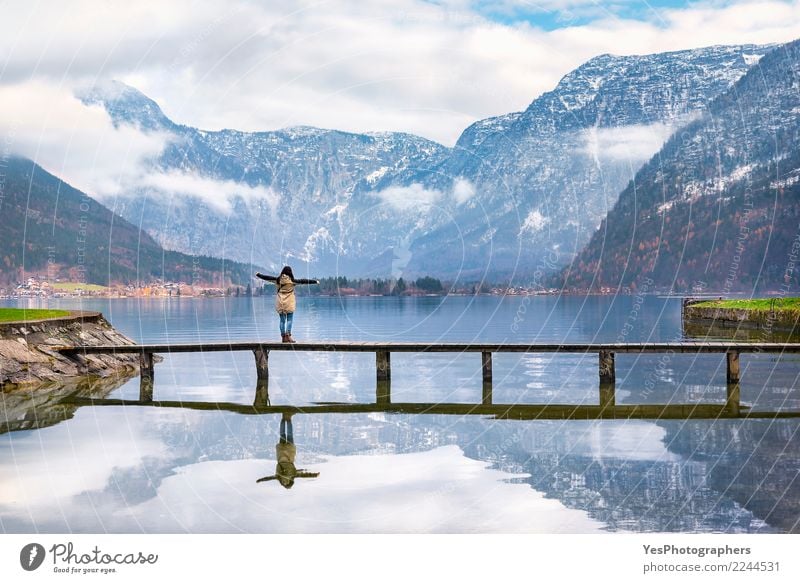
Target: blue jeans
[(286, 323)]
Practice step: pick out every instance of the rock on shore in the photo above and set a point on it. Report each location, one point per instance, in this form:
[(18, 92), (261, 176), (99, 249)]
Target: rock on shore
[(27, 356), (47, 404)]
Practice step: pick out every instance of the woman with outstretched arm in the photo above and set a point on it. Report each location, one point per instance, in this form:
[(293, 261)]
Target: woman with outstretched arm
[(286, 472), (285, 302)]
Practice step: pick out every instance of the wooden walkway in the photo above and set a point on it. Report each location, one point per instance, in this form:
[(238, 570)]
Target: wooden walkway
[(606, 371)]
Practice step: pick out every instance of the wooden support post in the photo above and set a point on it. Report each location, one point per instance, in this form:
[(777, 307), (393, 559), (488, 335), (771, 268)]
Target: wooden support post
[(607, 395), (383, 392), (733, 397), (383, 386), (383, 365), (607, 372), (262, 393), (146, 365), (262, 363), (146, 377), (486, 366), (732, 402), (733, 367), (145, 390)]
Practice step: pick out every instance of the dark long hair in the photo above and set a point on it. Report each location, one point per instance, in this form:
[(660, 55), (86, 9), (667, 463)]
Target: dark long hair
[(287, 271)]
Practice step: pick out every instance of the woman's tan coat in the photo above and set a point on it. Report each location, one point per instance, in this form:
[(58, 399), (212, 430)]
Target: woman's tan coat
[(285, 302)]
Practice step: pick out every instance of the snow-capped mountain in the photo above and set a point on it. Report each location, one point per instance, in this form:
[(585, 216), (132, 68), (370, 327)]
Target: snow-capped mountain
[(717, 207), (544, 178), (516, 190)]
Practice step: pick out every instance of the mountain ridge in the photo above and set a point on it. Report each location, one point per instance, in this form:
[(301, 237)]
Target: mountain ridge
[(515, 189), (54, 230), (736, 169)]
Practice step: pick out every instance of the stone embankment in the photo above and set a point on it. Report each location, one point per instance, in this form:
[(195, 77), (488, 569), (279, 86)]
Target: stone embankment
[(768, 320), (27, 356)]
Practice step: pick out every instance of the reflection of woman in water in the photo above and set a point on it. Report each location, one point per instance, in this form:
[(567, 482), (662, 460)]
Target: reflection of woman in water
[(285, 471)]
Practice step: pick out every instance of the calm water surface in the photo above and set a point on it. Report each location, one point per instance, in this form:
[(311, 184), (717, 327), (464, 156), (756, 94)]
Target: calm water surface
[(147, 469)]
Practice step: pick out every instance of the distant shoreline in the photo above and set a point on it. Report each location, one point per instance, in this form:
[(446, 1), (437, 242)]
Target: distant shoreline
[(709, 296)]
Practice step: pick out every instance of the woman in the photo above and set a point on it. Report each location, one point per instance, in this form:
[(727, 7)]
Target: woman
[(286, 472), (285, 302)]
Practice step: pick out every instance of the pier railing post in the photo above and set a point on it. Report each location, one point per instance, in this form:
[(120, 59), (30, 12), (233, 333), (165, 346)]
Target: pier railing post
[(733, 397), (146, 377), (262, 362), (486, 368)]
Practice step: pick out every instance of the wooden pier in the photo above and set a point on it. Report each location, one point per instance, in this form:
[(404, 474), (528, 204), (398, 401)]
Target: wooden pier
[(606, 407)]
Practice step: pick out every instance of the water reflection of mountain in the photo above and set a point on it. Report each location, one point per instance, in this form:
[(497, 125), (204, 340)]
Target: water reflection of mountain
[(754, 462), (650, 490), (682, 476), (672, 476)]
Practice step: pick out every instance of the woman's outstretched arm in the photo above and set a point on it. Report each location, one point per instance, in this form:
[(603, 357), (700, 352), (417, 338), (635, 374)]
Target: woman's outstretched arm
[(267, 277), (305, 474), (307, 281)]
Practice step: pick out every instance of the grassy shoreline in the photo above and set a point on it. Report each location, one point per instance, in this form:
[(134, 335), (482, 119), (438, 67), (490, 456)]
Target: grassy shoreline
[(760, 304), (28, 315)]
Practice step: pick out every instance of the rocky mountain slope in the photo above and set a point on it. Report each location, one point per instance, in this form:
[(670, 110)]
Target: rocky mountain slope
[(514, 190), (51, 229), (544, 178), (719, 206)]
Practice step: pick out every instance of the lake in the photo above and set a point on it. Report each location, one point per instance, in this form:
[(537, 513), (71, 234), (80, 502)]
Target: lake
[(161, 470)]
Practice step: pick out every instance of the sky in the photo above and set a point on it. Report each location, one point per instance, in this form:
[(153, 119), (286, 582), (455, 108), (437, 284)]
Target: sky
[(425, 67)]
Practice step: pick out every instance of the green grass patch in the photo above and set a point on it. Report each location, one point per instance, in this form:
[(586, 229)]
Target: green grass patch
[(71, 287), (22, 315), (765, 304)]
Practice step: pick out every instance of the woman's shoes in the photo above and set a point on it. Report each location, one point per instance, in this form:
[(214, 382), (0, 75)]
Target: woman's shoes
[(288, 338)]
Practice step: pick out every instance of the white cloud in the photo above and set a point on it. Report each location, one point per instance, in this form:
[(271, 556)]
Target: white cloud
[(425, 492), (463, 190), (79, 144), (415, 195), (632, 440), (405, 65), (217, 193), (408, 197), (633, 143), (33, 477)]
